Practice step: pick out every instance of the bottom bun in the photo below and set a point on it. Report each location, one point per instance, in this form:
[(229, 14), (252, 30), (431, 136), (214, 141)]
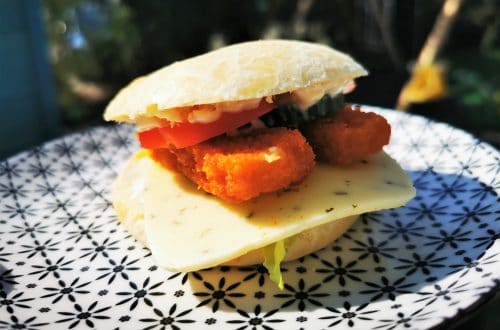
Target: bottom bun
[(303, 243), (129, 206)]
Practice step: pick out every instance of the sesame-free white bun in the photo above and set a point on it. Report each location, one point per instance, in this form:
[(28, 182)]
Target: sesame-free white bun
[(238, 72), (129, 205)]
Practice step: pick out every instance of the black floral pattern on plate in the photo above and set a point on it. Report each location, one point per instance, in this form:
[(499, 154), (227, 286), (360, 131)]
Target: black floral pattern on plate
[(65, 262)]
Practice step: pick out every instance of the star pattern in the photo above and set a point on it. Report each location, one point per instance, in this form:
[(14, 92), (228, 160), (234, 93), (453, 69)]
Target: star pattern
[(340, 271), (256, 319), (118, 268), (352, 316), (219, 294), (451, 239), (404, 320), (66, 290), (424, 264), (446, 293), (143, 293), (171, 319), (28, 229), (13, 301), (41, 248), (376, 250), (426, 211), (28, 324), (387, 288), (86, 316), (301, 295), (255, 271), (475, 213), (406, 231), (54, 268), (65, 262)]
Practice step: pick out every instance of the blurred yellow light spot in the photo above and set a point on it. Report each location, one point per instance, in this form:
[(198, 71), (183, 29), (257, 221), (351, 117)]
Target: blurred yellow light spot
[(426, 84)]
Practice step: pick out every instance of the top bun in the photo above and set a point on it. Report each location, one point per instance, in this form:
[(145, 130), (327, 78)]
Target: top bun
[(238, 72)]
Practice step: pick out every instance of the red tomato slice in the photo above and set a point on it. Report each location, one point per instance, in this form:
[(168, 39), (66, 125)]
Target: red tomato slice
[(186, 134)]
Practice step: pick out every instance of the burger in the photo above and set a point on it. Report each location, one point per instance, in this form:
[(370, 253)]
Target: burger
[(249, 155)]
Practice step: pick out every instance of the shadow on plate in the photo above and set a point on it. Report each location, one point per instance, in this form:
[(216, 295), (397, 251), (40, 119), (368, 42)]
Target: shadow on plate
[(6, 280), (445, 231)]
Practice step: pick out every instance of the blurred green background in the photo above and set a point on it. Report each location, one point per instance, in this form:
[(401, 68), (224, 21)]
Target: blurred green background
[(98, 46)]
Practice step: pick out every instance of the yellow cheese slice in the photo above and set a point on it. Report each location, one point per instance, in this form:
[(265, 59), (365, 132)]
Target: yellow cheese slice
[(187, 229)]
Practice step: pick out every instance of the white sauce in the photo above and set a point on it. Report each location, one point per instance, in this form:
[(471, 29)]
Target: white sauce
[(303, 97)]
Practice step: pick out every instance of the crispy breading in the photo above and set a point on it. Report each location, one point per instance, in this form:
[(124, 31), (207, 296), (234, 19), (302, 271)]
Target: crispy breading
[(347, 136), (240, 168)]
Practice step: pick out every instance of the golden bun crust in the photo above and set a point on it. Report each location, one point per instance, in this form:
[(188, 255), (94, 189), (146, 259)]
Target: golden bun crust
[(238, 72), (128, 203)]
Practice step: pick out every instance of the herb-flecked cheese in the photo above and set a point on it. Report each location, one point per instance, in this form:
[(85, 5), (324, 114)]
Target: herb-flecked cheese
[(187, 229)]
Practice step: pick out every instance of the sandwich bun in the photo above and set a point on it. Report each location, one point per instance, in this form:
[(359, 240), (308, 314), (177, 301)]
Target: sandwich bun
[(238, 72), (302, 244), (187, 226)]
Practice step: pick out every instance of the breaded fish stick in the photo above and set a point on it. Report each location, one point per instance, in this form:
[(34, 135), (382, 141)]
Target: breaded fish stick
[(347, 136), (240, 168)]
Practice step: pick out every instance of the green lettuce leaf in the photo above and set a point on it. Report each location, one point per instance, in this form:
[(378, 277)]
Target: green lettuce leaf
[(273, 256)]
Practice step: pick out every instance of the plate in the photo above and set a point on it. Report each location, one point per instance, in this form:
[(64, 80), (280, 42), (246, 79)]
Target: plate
[(65, 262)]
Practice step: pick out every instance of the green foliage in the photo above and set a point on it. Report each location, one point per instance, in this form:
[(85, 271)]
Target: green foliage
[(98, 46), (475, 83)]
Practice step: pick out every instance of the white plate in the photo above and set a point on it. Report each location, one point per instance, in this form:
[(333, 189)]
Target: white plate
[(67, 263)]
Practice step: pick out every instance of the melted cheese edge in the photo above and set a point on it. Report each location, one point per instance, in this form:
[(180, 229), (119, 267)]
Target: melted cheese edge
[(187, 229)]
